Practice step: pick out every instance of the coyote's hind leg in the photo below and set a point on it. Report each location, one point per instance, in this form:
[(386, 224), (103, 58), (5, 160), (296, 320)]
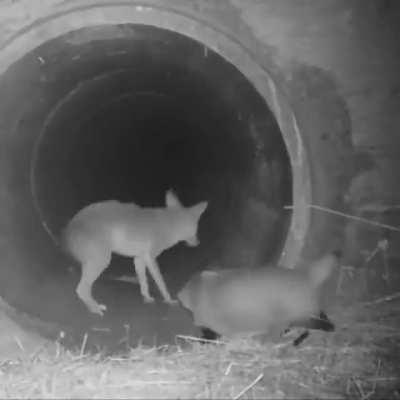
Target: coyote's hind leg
[(90, 272)]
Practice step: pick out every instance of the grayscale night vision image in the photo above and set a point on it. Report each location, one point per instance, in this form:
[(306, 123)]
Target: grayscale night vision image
[(200, 199)]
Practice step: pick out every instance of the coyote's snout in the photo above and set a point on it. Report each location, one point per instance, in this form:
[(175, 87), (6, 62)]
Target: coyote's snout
[(231, 302), (100, 229)]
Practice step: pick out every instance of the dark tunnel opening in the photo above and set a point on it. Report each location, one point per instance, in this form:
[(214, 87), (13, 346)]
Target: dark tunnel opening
[(126, 112)]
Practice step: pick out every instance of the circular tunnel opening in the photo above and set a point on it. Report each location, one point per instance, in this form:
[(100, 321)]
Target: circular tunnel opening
[(126, 112)]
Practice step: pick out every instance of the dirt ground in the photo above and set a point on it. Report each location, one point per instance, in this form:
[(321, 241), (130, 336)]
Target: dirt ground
[(360, 360), (150, 351)]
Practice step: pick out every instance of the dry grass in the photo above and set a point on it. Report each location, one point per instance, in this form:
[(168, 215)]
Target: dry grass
[(358, 361)]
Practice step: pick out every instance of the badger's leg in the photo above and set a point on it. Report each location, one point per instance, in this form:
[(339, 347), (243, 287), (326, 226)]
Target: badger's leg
[(301, 338), (320, 323), (209, 334)]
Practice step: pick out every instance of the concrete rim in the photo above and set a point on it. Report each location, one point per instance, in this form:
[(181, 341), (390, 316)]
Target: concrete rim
[(228, 47)]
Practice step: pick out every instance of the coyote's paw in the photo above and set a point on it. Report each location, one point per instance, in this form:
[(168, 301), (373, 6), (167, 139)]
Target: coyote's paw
[(171, 302), (149, 299), (97, 308)]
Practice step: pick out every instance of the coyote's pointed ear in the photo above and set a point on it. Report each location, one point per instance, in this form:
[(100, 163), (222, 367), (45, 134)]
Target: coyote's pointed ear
[(199, 208), (171, 199)]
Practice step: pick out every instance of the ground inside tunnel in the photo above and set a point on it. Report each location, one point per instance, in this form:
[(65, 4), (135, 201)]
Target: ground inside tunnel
[(126, 112)]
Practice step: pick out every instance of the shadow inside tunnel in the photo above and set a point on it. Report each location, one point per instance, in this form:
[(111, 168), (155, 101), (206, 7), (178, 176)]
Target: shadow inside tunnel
[(128, 321)]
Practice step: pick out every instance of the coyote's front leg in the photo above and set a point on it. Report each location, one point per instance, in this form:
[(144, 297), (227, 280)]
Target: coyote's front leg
[(140, 268), (156, 274)]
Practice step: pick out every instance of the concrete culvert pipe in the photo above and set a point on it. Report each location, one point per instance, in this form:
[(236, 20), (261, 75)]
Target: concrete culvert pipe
[(124, 105)]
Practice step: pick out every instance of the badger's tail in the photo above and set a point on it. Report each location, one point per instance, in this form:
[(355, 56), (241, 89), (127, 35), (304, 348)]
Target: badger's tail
[(321, 269)]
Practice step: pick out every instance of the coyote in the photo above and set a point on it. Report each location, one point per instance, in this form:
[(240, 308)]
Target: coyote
[(231, 302), (143, 233)]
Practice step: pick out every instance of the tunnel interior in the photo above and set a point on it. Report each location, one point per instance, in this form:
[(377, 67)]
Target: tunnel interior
[(126, 112)]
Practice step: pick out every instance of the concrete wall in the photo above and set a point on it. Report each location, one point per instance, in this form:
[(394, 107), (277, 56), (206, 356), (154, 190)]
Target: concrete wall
[(355, 41), (337, 62)]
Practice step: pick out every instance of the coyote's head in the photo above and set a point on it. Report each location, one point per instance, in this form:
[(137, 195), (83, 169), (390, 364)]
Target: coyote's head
[(189, 217)]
